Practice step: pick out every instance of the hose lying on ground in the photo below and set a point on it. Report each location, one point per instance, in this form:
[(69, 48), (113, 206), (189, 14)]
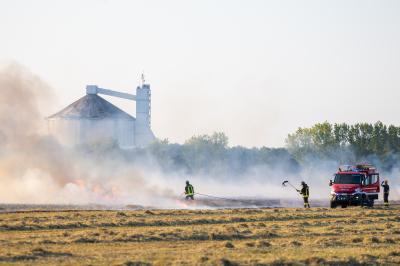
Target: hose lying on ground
[(215, 197)]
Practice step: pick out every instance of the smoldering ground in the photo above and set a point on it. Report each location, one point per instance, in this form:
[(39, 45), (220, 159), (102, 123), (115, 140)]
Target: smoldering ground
[(36, 169)]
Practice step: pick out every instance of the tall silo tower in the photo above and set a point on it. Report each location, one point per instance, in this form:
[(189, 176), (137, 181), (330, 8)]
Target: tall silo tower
[(143, 133)]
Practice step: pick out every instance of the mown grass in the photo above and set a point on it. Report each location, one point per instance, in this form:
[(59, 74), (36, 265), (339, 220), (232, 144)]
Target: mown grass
[(317, 236)]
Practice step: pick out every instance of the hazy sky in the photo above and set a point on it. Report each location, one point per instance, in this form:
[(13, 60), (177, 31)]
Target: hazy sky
[(255, 70)]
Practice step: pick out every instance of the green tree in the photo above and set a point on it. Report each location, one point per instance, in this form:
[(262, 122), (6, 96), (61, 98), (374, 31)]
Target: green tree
[(393, 140), (206, 152), (300, 143), (323, 138), (360, 139), (380, 141), (341, 134)]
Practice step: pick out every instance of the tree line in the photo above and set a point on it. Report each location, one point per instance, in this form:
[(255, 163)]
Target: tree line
[(344, 142), (211, 154)]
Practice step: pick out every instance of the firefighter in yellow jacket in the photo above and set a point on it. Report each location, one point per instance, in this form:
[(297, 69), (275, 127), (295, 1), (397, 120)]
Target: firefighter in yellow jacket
[(305, 192), (189, 191)]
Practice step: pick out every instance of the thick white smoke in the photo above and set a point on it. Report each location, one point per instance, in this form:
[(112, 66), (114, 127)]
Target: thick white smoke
[(34, 168)]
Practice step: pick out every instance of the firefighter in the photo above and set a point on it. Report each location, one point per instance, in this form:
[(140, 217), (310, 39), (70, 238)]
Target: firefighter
[(385, 193), (305, 192), (189, 191)]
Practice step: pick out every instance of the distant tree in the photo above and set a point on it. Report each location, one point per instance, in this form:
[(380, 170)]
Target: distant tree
[(323, 138), (380, 140), (393, 137), (206, 152), (341, 134), (300, 143)]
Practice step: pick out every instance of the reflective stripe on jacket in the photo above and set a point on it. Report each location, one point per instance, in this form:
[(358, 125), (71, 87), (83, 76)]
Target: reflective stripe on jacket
[(189, 190), (305, 192)]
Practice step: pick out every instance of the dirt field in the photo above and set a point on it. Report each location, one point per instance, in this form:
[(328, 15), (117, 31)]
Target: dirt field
[(352, 236)]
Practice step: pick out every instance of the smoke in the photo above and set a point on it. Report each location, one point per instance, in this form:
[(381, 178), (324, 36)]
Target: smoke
[(36, 169), (27, 158)]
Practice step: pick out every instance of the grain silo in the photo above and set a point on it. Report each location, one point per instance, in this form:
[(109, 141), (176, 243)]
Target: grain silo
[(92, 119)]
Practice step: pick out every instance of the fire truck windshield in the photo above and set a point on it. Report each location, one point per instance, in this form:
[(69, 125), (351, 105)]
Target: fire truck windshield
[(348, 179)]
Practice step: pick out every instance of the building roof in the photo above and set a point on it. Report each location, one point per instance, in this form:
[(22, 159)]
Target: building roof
[(91, 106)]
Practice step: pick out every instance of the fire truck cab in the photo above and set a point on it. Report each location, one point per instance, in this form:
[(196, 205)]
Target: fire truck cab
[(355, 185)]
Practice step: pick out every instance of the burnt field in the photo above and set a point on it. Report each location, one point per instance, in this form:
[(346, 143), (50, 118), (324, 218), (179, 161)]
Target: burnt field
[(199, 203), (243, 236)]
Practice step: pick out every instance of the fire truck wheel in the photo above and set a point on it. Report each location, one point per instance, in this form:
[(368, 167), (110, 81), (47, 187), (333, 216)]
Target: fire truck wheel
[(333, 204), (344, 205)]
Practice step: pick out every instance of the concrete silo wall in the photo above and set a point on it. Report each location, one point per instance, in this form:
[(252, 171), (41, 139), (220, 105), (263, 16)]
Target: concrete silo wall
[(66, 131), (73, 132), (126, 133)]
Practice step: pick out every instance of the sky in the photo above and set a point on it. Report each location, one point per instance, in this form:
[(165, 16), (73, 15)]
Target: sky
[(255, 70)]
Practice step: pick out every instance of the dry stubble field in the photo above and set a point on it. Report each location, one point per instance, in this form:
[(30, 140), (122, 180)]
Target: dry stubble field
[(283, 236)]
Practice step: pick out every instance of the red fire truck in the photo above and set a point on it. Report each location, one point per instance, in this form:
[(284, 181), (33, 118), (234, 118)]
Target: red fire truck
[(356, 185)]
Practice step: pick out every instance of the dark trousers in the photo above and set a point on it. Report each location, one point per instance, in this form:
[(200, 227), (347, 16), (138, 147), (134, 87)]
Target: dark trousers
[(306, 204), (386, 199), (189, 197)]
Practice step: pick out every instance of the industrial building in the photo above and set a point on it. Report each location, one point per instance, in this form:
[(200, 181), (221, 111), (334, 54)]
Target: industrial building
[(92, 119)]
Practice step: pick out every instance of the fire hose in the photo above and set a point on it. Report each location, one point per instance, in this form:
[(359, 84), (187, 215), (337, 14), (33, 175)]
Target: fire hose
[(210, 196), (222, 198)]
